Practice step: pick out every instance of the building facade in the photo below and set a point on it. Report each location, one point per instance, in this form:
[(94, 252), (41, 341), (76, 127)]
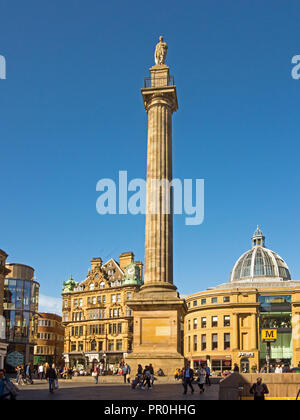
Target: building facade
[(3, 272), (21, 294), (97, 319), (224, 324), (50, 340)]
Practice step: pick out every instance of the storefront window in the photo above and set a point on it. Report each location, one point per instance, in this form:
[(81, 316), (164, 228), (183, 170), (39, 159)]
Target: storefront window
[(275, 312), (221, 365)]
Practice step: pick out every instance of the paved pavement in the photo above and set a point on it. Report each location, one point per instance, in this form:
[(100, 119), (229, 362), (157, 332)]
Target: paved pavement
[(71, 390)]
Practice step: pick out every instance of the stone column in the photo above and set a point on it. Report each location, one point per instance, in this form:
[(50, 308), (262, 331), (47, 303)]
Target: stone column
[(160, 102), (158, 311)]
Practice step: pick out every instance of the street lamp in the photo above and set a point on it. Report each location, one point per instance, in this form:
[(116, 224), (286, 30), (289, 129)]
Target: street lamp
[(104, 357)]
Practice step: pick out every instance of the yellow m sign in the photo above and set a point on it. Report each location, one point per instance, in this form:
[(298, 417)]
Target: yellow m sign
[(269, 335)]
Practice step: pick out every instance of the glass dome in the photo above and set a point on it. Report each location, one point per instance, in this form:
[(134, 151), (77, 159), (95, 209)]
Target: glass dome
[(259, 263)]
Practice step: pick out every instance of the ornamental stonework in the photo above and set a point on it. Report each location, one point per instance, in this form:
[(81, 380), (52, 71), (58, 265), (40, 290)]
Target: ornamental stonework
[(98, 321)]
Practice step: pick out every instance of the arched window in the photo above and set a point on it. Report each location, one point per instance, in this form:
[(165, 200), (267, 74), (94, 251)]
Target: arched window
[(93, 345)]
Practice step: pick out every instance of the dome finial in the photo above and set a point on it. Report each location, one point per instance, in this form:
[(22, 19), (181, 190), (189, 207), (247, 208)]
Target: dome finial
[(258, 238)]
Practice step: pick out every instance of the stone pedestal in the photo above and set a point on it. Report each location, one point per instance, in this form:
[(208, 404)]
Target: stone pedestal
[(157, 309)]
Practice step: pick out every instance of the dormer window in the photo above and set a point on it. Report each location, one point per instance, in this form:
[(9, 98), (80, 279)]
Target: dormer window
[(92, 286)]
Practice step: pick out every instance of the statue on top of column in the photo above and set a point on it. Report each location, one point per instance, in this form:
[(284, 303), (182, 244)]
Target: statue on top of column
[(160, 51)]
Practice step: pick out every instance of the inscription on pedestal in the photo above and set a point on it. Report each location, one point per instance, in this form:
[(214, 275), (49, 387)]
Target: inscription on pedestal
[(155, 330)]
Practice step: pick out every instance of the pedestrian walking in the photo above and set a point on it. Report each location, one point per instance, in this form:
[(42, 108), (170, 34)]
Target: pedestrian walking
[(207, 377), (126, 373), (28, 374), (259, 389), (151, 370), (147, 377), (236, 368), (41, 372), (187, 378), (18, 374), (96, 373), (201, 378), (22, 378), (51, 376)]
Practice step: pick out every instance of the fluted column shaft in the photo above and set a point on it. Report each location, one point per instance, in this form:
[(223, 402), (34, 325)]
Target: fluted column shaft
[(159, 208)]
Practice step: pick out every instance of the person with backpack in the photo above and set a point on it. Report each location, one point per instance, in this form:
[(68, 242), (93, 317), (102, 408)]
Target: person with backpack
[(259, 389), (7, 389)]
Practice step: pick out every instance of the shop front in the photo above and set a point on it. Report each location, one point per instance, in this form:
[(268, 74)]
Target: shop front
[(221, 364), (276, 313)]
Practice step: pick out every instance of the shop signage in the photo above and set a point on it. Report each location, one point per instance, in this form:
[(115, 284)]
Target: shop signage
[(242, 354), (15, 358), (269, 336), (92, 357)]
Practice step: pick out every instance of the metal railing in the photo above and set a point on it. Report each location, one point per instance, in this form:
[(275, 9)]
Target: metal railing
[(150, 82)]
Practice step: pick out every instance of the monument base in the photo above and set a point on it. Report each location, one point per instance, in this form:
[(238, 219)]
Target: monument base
[(168, 363), (158, 316)]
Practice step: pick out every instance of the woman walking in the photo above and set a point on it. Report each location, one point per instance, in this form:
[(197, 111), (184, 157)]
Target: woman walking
[(201, 378), (96, 373)]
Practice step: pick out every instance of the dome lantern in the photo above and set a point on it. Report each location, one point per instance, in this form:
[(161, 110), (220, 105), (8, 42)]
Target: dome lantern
[(258, 238)]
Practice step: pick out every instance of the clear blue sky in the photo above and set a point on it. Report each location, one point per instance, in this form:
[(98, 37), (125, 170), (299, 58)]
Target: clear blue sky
[(71, 113)]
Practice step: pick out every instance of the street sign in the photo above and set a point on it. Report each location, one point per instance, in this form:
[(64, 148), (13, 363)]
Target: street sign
[(269, 336)]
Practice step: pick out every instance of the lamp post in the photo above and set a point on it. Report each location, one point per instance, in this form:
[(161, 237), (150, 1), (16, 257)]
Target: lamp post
[(104, 357)]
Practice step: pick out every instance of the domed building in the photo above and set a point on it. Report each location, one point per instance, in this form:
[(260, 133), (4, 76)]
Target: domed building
[(260, 263), (225, 324)]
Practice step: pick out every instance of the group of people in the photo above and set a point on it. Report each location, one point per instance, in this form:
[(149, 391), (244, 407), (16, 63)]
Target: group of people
[(47, 372), (275, 369), (24, 374), (188, 376), (145, 377)]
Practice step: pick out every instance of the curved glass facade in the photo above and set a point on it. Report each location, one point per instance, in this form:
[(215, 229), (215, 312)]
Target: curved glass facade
[(20, 311)]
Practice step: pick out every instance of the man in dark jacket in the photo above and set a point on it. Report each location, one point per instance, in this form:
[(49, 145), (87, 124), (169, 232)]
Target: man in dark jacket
[(51, 376), (259, 390), (187, 378)]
